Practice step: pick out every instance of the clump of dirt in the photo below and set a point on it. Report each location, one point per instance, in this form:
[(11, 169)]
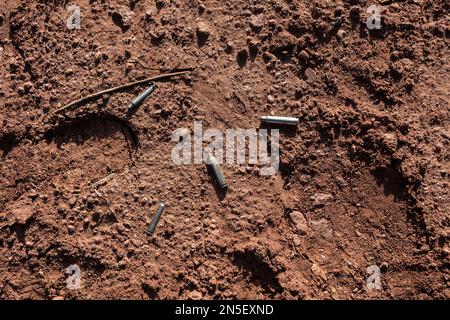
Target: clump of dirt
[(363, 179)]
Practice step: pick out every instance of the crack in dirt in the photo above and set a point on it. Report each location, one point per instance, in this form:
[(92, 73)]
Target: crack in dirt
[(72, 131)]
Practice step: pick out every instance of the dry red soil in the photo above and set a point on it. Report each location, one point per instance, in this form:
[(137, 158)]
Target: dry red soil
[(363, 180)]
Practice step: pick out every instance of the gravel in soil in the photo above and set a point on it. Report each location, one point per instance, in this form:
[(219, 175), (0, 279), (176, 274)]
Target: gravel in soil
[(363, 181)]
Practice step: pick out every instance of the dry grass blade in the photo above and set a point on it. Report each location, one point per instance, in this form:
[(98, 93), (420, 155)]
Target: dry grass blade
[(111, 90)]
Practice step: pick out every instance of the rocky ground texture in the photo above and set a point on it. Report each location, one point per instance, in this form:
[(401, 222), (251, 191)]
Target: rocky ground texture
[(363, 181)]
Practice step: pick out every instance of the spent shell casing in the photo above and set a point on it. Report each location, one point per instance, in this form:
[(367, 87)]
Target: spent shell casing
[(141, 98), (152, 226), (214, 165), (280, 120)]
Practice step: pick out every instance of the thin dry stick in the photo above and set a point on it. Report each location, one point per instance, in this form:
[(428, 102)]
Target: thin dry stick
[(107, 204), (110, 90), (178, 64)]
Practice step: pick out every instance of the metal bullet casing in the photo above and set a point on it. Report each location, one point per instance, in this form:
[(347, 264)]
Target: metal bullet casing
[(141, 98), (214, 165), (290, 121), (152, 226)]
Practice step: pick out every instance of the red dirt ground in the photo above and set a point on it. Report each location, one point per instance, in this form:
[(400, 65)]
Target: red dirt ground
[(364, 180)]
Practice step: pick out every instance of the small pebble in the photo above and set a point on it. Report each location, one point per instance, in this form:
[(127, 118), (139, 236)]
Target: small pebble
[(311, 75), (203, 30)]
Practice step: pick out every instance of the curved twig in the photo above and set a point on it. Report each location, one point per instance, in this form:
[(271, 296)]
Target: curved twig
[(110, 90)]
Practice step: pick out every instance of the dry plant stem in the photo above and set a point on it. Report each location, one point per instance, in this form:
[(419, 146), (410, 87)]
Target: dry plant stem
[(125, 86), (107, 203)]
